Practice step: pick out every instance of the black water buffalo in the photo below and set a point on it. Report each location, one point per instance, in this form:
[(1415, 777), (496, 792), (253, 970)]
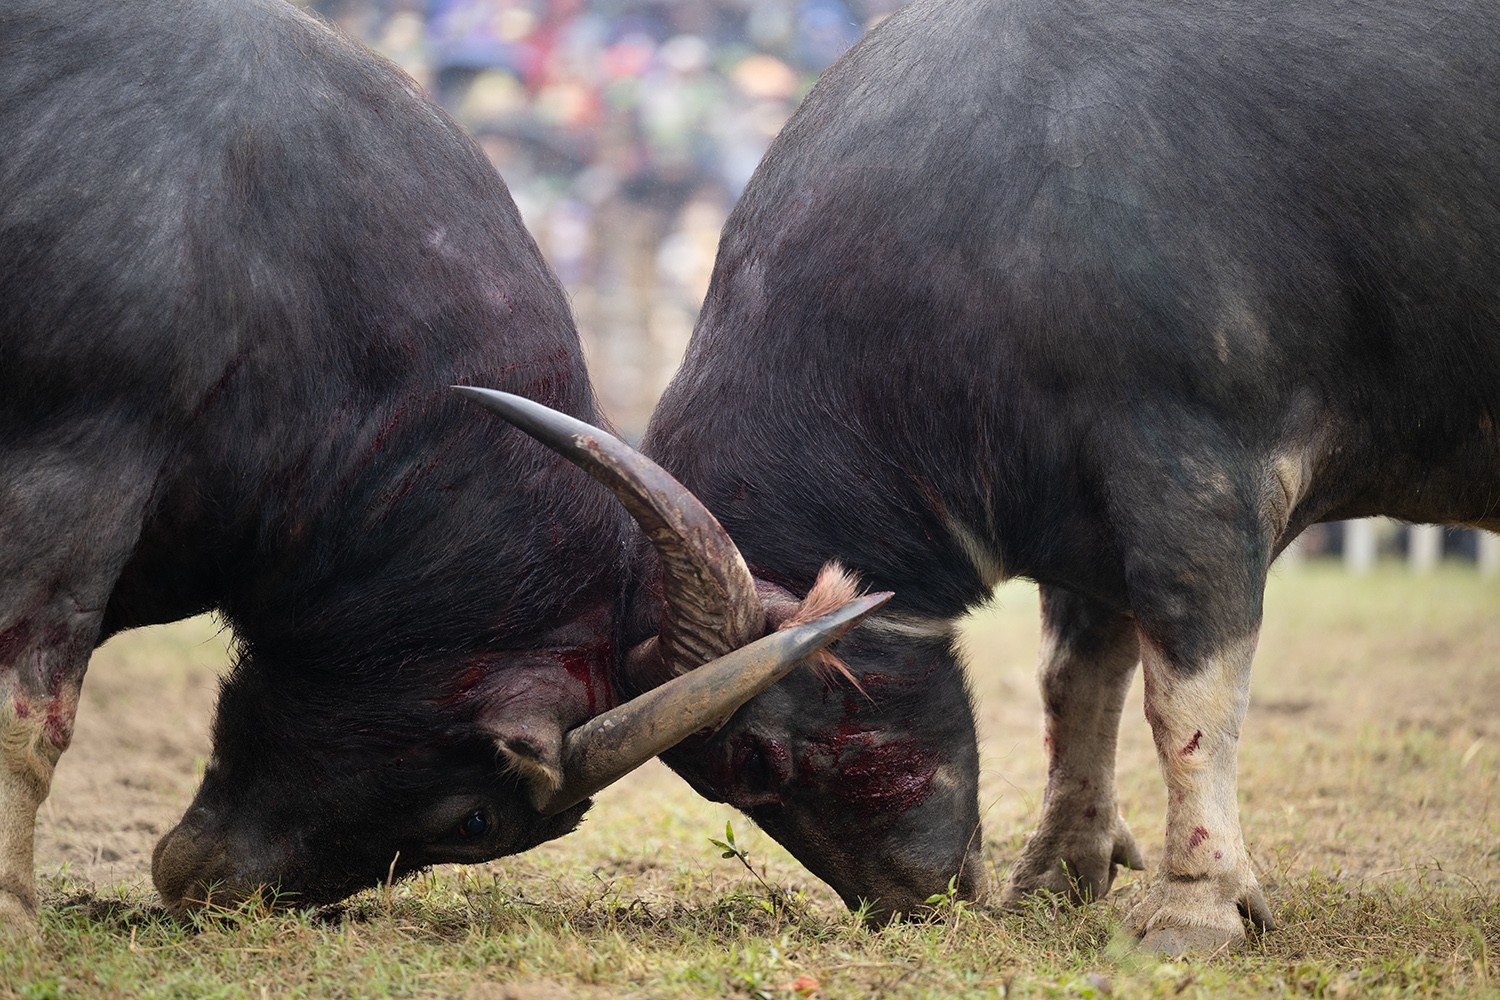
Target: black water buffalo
[(241, 262), (1119, 297)]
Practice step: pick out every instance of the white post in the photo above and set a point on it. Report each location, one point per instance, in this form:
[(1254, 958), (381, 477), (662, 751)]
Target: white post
[(1424, 547), (1359, 545), (1489, 553)]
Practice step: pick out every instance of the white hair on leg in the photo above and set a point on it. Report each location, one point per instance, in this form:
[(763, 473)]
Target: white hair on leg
[(1206, 880)]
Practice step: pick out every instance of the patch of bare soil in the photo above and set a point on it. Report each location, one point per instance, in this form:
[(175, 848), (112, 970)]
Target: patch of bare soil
[(141, 737)]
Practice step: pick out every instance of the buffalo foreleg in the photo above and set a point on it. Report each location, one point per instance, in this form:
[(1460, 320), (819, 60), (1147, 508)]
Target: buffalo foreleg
[(68, 522), (41, 673), (1198, 537), (1206, 883), (34, 731), (1088, 658)]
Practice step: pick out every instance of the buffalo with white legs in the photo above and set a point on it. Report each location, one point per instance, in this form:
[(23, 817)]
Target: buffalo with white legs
[(1119, 297)]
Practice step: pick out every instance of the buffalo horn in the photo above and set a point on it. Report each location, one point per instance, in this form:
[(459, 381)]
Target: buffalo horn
[(610, 746), (712, 604)]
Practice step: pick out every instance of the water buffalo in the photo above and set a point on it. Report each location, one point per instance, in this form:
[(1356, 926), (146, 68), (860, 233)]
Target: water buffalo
[(1118, 297), (241, 262)]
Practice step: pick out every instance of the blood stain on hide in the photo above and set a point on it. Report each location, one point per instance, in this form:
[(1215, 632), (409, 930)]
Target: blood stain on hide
[(889, 778), (477, 669), (1198, 837), (881, 778), (380, 439), (59, 722), (584, 665), (12, 641), (1192, 745), (411, 480)]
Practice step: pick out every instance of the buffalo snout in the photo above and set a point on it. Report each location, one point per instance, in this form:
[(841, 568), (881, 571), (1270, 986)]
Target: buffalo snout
[(194, 867)]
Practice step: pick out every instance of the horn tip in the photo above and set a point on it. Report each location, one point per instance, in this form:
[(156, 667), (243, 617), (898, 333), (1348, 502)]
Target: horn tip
[(493, 398), (858, 608), (837, 624)]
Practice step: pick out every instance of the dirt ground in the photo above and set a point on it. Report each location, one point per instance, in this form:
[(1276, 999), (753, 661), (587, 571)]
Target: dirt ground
[(1372, 748), (140, 740)]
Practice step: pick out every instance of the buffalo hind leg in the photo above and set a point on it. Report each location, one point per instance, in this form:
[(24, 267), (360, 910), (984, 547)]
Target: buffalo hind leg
[(1088, 657)]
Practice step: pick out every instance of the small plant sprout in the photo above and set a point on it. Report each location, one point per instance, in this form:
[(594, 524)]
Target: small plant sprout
[(947, 904), (775, 899)]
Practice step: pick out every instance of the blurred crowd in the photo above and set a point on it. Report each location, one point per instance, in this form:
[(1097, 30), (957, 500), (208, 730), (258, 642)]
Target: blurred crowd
[(625, 130)]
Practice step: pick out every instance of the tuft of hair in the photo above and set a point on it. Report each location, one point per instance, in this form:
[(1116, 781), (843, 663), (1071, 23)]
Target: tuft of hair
[(834, 588), (523, 760)]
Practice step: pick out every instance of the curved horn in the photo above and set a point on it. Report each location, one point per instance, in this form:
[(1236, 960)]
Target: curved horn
[(712, 604), (610, 746)]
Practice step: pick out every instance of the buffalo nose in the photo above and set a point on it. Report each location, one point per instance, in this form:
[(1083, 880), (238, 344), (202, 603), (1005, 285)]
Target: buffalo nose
[(906, 891), (188, 863)]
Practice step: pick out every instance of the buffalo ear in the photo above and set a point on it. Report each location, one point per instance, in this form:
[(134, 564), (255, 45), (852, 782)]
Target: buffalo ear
[(534, 754), (527, 712)]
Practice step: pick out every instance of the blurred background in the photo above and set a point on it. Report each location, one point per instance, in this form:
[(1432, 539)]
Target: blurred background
[(626, 130)]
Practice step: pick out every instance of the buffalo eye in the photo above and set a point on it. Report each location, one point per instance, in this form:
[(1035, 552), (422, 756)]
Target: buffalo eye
[(760, 770), (755, 772), (760, 765), (472, 826)]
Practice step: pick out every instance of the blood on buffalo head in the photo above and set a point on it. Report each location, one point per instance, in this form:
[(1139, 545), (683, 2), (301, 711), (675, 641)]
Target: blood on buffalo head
[(872, 787), (869, 779), (320, 799)]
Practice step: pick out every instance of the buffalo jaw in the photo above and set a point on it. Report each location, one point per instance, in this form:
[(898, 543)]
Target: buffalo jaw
[(610, 746)]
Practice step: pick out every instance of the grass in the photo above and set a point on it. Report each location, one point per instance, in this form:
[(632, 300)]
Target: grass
[(1368, 781)]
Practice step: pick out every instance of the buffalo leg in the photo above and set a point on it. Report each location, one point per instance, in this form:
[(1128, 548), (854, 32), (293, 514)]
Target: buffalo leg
[(1197, 551), (33, 735), (1206, 883), (1088, 658), (41, 672), (68, 522)]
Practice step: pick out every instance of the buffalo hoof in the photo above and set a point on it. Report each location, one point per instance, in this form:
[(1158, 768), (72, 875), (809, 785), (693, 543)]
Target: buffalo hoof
[(1172, 942), (1198, 916), (17, 917), (1075, 864)]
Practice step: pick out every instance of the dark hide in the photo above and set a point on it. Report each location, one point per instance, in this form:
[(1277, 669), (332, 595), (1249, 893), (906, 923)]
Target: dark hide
[(1119, 297), (242, 262)]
